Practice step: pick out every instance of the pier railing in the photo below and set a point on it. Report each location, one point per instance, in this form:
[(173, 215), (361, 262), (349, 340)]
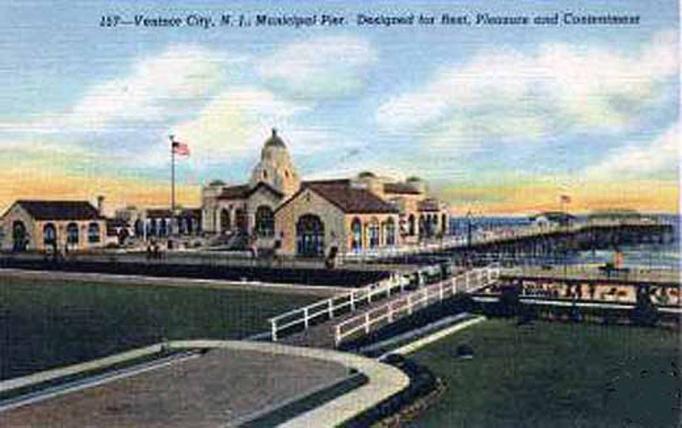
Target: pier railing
[(488, 237), (368, 321)]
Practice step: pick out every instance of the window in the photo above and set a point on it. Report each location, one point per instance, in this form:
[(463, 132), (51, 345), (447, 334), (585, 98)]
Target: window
[(410, 225), (49, 234), (93, 233), (373, 230), (265, 221), (163, 227), (72, 233), (389, 231), (356, 233)]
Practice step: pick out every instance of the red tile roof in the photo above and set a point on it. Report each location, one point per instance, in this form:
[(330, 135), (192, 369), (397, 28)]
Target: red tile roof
[(60, 210), (243, 191), (349, 199), (428, 205), (401, 188), (234, 192)]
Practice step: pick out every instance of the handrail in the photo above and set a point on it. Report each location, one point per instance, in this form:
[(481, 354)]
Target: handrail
[(310, 313), (490, 236), (466, 282)]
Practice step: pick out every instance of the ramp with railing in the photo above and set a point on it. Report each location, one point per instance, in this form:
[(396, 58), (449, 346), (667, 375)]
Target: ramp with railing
[(330, 321), (405, 305), (324, 310)]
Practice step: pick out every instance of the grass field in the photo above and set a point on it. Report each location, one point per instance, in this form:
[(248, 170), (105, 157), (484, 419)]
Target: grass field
[(46, 324), (556, 375)]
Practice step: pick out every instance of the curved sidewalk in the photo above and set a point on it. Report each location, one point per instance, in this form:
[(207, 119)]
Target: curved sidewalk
[(384, 380)]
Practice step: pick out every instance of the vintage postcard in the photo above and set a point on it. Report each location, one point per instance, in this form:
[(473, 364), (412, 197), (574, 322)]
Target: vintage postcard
[(344, 213)]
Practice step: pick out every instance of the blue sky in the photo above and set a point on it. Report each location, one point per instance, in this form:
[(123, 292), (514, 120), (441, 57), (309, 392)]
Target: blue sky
[(461, 106)]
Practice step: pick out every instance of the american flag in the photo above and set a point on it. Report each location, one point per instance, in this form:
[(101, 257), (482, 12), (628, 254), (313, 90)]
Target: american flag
[(180, 149)]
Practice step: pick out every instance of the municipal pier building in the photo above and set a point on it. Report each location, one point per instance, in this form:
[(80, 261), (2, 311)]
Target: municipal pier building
[(276, 209)]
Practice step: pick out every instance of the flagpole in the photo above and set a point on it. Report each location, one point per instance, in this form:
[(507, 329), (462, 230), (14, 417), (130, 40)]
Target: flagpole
[(172, 225)]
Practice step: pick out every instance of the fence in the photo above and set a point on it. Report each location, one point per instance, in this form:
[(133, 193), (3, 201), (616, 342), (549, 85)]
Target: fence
[(488, 237), (385, 314), (337, 305)]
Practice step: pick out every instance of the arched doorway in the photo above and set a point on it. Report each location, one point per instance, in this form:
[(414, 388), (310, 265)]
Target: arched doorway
[(19, 236), (444, 223), (224, 220), (410, 225), (310, 236), (49, 235), (139, 228), (240, 220), (265, 221), (356, 232)]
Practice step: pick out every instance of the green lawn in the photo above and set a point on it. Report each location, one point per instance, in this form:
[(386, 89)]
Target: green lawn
[(556, 375), (45, 324)]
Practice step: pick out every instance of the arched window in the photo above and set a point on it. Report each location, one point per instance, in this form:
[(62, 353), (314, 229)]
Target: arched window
[(49, 234), (93, 233), (265, 221), (389, 231), (19, 236), (373, 231), (72, 233), (356, 233), (422, 225), (410, 225), (225, 223), (444, 223), (310, 236), (139, 228)]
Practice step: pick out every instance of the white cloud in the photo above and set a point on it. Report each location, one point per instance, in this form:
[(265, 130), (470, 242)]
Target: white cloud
[(156, 89), (660, 156), (235, 122), (509, 95), (324, 67)]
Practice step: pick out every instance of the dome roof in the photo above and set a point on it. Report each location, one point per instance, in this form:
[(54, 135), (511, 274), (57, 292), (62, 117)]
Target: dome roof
[(275, 140), (413, 178), (366, 174)]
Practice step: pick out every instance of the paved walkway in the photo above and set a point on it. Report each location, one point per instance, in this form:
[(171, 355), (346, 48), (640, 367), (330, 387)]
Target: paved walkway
[(234, 380)]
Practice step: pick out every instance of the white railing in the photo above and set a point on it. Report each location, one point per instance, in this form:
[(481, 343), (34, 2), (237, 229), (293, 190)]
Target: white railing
[(482, 237), (466, 282), (329, 308)]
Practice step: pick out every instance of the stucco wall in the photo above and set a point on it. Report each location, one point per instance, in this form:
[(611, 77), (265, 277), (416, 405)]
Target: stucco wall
[(308, 202), (35, 236)]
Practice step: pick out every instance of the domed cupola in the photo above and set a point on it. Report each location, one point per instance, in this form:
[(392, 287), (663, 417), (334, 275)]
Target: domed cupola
[(275, 167)]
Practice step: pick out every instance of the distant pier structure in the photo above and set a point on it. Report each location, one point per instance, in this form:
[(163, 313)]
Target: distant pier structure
[(553, 241)]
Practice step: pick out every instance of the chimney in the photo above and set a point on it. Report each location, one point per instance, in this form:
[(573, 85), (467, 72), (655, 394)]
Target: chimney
[(100, 205)]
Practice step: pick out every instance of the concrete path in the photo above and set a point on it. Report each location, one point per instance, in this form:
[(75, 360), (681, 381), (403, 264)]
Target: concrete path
[(232, 382)]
